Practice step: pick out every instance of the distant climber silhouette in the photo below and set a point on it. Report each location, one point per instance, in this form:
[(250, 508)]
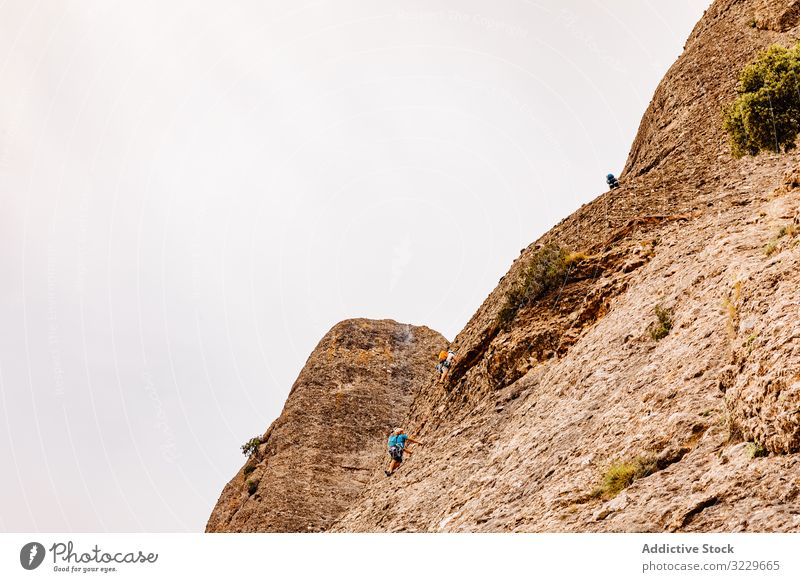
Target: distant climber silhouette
[(612, 182)]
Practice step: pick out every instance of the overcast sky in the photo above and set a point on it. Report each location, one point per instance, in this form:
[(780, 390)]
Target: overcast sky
[(192, 193)]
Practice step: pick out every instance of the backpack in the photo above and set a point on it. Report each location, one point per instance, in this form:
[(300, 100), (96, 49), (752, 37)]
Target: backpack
[(442, 356)]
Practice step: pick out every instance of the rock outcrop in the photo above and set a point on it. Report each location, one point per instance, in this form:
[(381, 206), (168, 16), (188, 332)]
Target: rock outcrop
[(668, 351), (329, 440)]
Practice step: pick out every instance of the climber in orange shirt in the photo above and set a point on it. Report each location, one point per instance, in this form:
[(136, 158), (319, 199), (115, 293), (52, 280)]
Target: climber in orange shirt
[(446, 360)]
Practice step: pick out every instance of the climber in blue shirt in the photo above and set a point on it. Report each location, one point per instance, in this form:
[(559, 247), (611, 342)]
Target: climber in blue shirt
[(397, 446)]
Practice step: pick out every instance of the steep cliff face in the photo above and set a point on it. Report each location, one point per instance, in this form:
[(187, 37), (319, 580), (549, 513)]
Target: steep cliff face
[(541, 413), (316, 457), (532, 455), (655, 386)]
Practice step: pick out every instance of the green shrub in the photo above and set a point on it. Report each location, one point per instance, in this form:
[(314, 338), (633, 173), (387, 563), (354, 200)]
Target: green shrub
[(621, 475), (618, 477), (766, 114), (749, 343), (663, 323), (252, 487), (756, 449), (545, 271), (251, 446), (249, 468)]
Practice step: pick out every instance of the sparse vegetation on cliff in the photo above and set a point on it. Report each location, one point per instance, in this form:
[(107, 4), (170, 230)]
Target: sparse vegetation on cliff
[(765, 116), (545, 271), (756, 450), (773, 246), (251, 446), (660, 329), (621, 475)]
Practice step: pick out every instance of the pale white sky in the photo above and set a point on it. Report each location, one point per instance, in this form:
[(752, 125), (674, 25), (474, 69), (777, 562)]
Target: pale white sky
[(192, 193)]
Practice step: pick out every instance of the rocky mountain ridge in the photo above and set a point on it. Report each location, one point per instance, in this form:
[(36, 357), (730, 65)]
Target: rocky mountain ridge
[(665, 358)]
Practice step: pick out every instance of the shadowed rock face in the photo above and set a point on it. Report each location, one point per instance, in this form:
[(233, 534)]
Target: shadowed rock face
[(536, 410), (330, 438)]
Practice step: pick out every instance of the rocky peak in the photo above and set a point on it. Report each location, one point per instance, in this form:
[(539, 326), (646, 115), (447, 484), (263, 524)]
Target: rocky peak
[(329, 440)]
